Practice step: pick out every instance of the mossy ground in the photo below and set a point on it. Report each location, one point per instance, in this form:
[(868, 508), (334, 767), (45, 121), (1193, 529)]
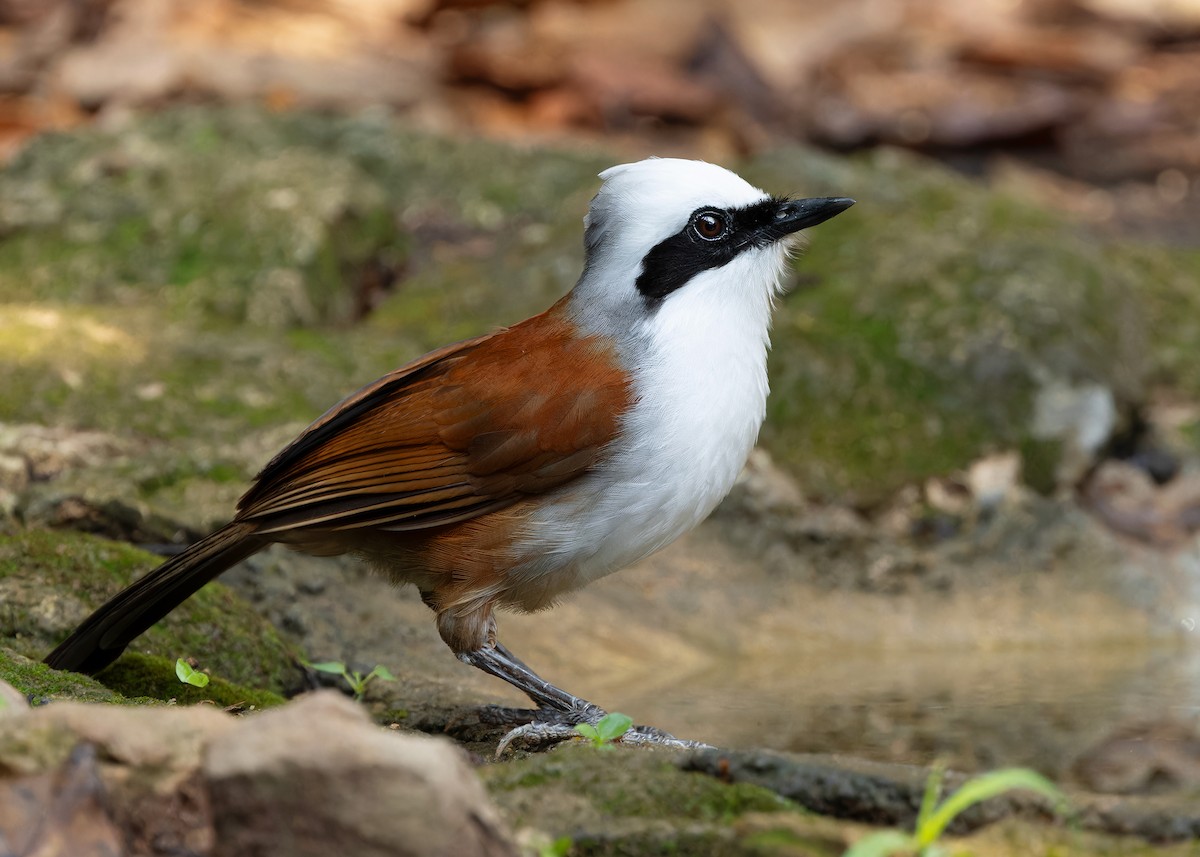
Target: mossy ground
[(40, 684), (138, 675), (625, 801), (639, 802), (51, 580)]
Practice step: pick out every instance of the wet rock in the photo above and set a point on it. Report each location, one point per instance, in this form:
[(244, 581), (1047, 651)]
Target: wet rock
[(1143, 758), (822, 788), (848, 788), (1128, 500), (317, 778)]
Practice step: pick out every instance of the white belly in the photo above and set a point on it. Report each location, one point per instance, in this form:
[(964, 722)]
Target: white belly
[(701, 398)]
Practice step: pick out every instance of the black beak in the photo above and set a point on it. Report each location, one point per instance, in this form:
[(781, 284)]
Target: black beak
[(796, 214)]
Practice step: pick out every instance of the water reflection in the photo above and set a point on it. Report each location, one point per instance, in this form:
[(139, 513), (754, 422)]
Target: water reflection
[(975, 709)]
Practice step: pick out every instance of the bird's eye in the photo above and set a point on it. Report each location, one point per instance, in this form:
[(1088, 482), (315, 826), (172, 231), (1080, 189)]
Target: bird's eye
[(709, 225)]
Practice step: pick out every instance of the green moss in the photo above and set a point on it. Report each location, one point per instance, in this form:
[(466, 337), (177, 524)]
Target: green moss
[(41, 684), (1040, 460), (51, 579), (139, 675), (265, 223), (632, 783), (698, 798), (35, 564), (629, 801), (1191, 434), (186, 471), (783, 842)]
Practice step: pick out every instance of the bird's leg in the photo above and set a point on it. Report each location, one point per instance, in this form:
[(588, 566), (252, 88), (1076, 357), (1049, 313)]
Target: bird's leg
[(469, 629), (498, 661), (507, 653), (471, 635), (558, 711)]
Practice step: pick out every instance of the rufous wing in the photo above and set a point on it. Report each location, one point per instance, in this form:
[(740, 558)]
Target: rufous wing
[(466, 430)]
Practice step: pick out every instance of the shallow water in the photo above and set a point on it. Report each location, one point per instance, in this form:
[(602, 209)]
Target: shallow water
[(974, 709)]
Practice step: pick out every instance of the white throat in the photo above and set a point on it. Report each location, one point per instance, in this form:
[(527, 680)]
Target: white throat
[(699, 367)]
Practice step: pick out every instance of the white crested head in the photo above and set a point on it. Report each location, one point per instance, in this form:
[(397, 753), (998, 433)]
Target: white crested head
[(643, 203), (664, 232)]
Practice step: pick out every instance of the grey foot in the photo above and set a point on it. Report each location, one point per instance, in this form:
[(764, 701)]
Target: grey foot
[(542, 734), (557, 713)]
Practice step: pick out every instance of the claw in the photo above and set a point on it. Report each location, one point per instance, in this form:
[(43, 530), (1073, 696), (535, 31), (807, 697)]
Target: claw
[(541, 735)]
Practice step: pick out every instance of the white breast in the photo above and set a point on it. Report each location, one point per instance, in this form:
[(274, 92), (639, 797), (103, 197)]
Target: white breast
[(701, 384)]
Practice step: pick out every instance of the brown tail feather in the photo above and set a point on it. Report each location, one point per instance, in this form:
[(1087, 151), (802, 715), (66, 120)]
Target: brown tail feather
[(104, 635)]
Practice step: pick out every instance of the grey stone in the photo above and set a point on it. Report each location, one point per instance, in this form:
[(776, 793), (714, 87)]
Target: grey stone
[(318, 778)]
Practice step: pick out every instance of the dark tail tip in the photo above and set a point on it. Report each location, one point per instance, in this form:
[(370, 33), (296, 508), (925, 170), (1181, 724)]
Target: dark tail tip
[(102, 637)]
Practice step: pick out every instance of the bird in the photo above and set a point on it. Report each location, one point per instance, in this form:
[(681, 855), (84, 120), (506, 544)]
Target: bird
[(508, 470)]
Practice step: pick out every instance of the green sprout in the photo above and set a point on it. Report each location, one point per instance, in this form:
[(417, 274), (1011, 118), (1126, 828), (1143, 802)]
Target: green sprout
[(560, 847), (356, 680), (189, 674), (933, 819), (608, 728)]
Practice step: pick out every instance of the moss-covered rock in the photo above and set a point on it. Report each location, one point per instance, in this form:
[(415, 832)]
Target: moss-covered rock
[(41, 684), (139, 675), (625, 801), (50, 581)]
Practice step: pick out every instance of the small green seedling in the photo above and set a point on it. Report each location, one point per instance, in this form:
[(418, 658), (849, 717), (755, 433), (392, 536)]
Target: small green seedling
[(608, 728), (560, 847), (932, 819), (189, 675), (357, 681)]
